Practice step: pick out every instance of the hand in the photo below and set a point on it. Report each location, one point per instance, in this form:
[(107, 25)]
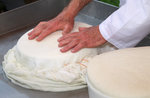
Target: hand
[(43, 29), (85, 38), (64, 21)]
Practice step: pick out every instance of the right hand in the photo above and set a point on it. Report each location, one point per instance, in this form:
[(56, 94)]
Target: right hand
[(43, 29)]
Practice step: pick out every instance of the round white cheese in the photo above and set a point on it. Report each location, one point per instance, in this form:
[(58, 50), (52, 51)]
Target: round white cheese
[(41, 65), (122, 73)]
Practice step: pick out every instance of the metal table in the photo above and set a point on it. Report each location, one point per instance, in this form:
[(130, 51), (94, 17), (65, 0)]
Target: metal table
[(14, 23)]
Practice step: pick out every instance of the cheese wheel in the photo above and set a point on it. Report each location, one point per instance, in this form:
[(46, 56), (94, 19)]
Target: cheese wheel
[(122, 73), (41, 65)]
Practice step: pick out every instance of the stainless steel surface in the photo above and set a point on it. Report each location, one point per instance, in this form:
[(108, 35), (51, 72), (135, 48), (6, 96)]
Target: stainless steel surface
[(16, 22), (29, 14)]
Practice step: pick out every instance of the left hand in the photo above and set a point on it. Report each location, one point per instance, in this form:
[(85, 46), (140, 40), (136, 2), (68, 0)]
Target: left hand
[(86, 38)]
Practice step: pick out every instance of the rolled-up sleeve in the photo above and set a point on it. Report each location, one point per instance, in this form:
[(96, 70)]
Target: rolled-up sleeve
[(128, 25)]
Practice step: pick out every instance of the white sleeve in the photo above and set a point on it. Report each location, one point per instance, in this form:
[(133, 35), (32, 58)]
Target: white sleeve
[(128, 25)]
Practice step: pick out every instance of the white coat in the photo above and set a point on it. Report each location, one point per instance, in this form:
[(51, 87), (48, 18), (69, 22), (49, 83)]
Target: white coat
[(128, 25)]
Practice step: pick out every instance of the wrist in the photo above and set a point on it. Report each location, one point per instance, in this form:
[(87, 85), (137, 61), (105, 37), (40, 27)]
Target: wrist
[(66, 15), (98, 30), (74, 7)]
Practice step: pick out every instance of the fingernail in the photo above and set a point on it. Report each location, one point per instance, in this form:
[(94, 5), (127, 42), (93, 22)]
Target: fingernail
[(59, 45), (72, 51), (61, 50), (29, 38), (37, 40), (58, 40)]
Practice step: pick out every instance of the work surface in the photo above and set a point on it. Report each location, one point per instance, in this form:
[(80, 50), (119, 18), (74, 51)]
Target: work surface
[(9, 90)]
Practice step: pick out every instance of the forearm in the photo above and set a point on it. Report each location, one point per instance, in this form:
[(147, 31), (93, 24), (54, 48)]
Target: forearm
[(74, 7)]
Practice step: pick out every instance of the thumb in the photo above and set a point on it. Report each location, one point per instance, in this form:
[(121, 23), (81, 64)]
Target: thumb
[(82, 28), (67, 29)]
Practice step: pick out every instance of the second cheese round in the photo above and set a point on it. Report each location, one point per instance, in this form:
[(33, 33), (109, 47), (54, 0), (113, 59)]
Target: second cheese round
[(122, 73)]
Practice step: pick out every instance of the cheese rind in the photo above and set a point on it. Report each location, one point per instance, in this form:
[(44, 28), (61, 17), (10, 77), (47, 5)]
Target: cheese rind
[(122, 74)]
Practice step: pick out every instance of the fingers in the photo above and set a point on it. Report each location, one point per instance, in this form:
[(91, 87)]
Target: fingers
[(69, 46), (52, 29), (78, 47), (71, 34), (34, 34), (64, 42), (43, 29), (68, 36), (86, 37), (30, 33), (36, 31), (46, 33)]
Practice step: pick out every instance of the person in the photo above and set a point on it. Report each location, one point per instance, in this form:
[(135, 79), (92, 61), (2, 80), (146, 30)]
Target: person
[(124, 28)]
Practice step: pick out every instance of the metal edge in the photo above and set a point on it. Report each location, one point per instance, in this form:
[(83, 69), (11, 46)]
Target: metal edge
[(29, 14), (46, 9)]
